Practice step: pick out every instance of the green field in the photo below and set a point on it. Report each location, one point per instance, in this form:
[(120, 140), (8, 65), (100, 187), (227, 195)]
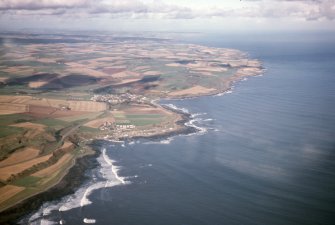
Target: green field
[(88, 129), (79, 118), (145, 122), (144, 119), (29, 181), (8, 130), (14, 118), (53, 123), (143, 116)]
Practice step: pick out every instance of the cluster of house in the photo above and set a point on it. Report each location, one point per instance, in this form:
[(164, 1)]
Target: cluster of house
[(107, 125), (125, 126), (73, 98), (118, 99)]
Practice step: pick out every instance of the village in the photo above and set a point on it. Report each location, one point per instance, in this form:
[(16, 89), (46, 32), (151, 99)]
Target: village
[(114, 99)]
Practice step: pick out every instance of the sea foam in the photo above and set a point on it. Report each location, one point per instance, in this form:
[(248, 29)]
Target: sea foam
[(109, 173), (172, 106), (224, 93), (86, 220)]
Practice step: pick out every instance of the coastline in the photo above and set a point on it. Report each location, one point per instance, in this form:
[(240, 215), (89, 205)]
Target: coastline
[(75, 175), (67, 184), (228, 86), (183, 128)]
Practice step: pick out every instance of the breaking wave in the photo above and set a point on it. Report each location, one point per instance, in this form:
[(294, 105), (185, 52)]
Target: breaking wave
[(108, 174), (196, 121), (86, 220), (172, 106), (225, 92)]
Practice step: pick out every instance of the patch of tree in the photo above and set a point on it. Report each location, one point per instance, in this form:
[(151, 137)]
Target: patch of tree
[(147, 79), (22, 120), (11, 145), (150, 86), (105, 90), (225, 65), (185, 62)]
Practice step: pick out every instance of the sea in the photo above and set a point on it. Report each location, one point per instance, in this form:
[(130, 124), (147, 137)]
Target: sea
[(264, 153)]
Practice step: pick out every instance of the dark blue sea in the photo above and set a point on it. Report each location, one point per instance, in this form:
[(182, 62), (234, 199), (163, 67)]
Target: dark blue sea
[(265, 155)]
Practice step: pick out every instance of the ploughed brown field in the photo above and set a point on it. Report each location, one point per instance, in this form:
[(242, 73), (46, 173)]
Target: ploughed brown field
[(6, 172), (22, 155)]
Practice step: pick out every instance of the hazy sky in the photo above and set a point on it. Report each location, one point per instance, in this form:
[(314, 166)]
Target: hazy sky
[(169, 15)]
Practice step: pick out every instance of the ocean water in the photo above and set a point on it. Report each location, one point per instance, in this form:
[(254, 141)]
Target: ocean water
[(265, 154)]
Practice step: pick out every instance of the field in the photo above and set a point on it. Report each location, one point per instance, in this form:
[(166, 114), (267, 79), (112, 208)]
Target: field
[(45, 170), (86, 116), (28, 181), (12, 108), (31, 157), (86, 68), (86, 106), (55, 168), (33, 129), (193, 91), (99, 122), (140, 115), (7, 171), (48, 104), (20, 156), (139, 119), (8, 192), (7, 131)]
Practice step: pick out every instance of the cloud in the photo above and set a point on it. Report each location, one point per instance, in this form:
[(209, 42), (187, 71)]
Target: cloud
[(301, 9), (327, 9), (42, 4), (134, 6)]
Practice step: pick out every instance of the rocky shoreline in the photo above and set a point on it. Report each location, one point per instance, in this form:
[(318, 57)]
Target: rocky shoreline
[(76, 175), (184, 129), (68, 185)]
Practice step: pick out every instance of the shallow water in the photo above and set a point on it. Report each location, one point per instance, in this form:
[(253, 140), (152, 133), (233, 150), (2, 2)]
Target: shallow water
[(267, 156)]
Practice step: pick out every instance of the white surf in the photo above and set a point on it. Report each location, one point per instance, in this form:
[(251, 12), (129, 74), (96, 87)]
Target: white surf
[(110, 174)]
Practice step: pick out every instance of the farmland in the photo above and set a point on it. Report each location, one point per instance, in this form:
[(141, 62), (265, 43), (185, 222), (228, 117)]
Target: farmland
[(57, 95)]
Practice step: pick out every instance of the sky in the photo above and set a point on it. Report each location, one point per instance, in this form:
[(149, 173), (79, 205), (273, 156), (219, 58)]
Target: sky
[(168, 15)]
